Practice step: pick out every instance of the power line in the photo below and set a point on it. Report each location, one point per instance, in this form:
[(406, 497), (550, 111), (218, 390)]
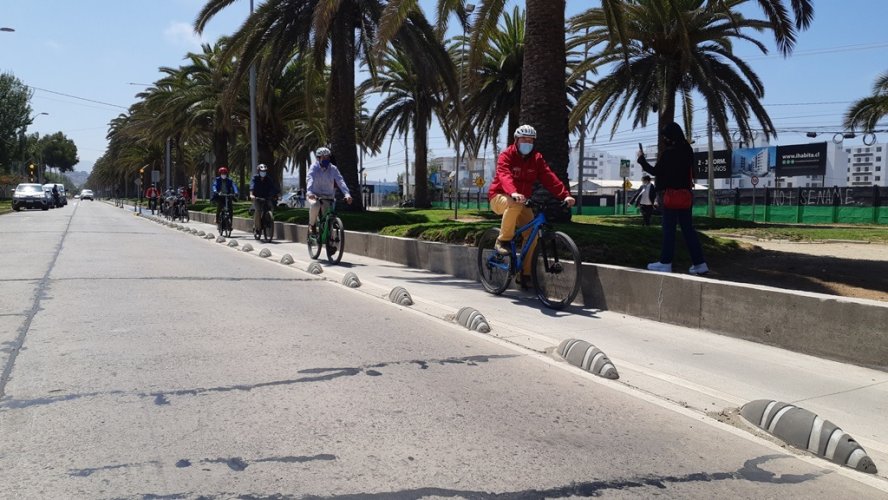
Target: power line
[(76, 97)]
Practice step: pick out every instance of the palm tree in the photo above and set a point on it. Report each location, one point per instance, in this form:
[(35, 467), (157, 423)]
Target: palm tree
[(866, 112), (410, 99), (495, 87), (209, 73), (668, 48), (314, 26)]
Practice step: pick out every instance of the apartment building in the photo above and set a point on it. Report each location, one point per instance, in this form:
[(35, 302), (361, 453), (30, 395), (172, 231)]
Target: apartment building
[(866, 165)]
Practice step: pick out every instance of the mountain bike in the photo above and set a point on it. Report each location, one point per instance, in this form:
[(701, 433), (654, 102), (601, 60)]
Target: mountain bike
[(331, 234), (266, 219), (224, 223), (555, 265), (180, 209)]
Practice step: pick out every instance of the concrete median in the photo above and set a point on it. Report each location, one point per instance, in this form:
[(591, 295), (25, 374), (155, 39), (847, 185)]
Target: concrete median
[(839, 328)]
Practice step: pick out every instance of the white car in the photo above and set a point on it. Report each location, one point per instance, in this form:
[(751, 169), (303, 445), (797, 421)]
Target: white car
[(86, 194)]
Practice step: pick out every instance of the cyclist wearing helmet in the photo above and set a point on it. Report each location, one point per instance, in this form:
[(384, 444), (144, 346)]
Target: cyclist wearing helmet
[(262, 186), (321, 182), (518, 168), (222, 185)]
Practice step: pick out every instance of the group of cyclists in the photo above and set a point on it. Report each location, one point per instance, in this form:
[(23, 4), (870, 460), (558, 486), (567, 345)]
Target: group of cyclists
[(171, 202), (321, 181)]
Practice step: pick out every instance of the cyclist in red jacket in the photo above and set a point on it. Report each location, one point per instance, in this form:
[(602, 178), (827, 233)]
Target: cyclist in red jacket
[(518, 168)]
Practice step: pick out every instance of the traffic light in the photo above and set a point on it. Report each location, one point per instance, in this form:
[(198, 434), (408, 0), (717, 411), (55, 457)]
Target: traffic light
[(32, 172)]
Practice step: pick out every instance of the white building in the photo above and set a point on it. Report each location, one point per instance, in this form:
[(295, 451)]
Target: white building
[(600, 165), (866, 165)]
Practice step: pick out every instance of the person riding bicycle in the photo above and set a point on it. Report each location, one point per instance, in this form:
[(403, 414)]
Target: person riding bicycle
[(151, 194), (518, 168), (222, 185), (262, 186), (321, 182)]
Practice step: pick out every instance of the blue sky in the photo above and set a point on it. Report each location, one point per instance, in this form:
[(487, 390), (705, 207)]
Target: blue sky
[(94, 49)]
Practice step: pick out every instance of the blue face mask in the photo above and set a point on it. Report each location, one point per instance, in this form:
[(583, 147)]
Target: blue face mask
[(525, 148), (325, 163), (261, 174)]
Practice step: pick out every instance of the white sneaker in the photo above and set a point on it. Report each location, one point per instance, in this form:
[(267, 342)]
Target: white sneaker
[(660, 267), (699, 269)]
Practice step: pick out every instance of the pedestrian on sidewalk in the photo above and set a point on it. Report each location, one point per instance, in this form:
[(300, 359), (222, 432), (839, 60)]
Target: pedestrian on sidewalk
[(675, 178), (644, 199)]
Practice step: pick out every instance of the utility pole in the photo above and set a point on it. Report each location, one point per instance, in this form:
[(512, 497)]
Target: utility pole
[(710, 170), (254, 147)]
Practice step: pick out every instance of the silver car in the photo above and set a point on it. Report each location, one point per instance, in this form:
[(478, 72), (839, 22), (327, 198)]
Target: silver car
[(30, 196)]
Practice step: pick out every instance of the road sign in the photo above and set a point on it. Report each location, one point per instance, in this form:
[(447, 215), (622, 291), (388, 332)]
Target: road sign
[(155, 176), (627, 184), (624, 168), (755, 180), (479, 181), (138, 182)]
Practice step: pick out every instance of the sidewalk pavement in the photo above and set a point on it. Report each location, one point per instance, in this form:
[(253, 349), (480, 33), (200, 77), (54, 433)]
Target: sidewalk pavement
[(697, 369)]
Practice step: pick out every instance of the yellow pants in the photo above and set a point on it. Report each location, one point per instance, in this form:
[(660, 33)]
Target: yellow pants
[(514, 214)]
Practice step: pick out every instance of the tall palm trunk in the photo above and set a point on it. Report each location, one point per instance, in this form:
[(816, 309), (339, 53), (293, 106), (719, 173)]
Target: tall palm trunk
[(220, 138), (514, 123), (220, 148), (341, 98), (179, 174), (543, 88), (420, 142), (666, 113)]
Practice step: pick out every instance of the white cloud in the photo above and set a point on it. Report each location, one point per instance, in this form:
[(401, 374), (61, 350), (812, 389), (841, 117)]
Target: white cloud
[(182, 34), (53, 46)]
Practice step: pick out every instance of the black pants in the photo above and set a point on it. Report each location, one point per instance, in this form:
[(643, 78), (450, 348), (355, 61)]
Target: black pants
[(646, 212)]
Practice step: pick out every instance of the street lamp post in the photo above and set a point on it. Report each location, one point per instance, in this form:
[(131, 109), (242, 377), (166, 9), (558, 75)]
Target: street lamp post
[(455, 189), (40, 167)]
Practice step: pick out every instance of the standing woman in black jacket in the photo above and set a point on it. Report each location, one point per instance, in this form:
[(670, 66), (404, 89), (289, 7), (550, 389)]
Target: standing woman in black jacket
[(673, 171)]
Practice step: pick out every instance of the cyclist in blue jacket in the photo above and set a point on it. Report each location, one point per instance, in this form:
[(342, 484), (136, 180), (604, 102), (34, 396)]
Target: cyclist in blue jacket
[(222, 185), (321, 182)]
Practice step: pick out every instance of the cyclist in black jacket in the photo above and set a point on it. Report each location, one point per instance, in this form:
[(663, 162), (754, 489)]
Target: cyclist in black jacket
[(262, 186)]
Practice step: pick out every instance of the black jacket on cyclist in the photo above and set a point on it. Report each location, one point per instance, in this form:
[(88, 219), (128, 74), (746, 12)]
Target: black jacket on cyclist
[(264, 187)]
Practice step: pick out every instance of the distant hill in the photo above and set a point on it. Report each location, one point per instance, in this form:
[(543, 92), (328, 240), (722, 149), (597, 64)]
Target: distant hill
[(77, 177)]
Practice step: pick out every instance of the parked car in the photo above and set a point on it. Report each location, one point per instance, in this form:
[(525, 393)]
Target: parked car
[(47, 190), (30, 196), (86, 194), (288, 200)]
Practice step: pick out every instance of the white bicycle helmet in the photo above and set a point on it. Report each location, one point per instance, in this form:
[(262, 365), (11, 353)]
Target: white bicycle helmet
[(525, 131), (263, 168), (322, 151)]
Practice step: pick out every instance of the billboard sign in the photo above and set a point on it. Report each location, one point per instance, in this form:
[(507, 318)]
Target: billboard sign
[(720, 161), (759, 162), (801, 159)]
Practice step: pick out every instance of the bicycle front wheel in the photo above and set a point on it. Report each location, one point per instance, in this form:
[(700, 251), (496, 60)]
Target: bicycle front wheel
[(267, 227), (335, 241), (556, 270), (494, 270), (228, 225), (185, 215), (314, 245)]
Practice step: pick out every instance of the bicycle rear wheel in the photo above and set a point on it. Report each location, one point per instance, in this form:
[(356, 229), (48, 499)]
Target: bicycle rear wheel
[(556, 270), (267, 226), (335, 241), (185, 215), (494, 270)]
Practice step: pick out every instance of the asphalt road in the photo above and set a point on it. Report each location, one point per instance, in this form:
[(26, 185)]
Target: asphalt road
[(139, 362)]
